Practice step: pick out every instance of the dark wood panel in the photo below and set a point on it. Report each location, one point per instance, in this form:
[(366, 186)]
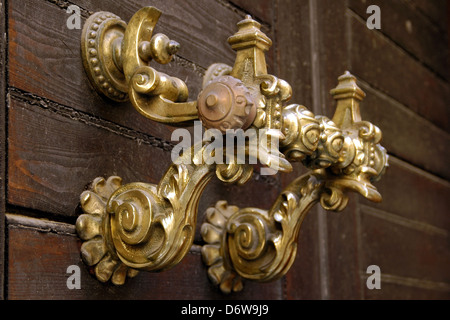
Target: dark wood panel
[(412, 31), (303, 279), (414, 194), (40, 252), (294, 49), (401, 291), (403, 250), (294, 66), (338, 235), (262, 10), (407, 135), (53, 156), (436, 11), (343, 232), (386, 67), (330, 55), (3, 141)]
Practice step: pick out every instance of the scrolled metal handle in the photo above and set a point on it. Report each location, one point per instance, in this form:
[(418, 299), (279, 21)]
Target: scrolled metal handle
[(141, 226)]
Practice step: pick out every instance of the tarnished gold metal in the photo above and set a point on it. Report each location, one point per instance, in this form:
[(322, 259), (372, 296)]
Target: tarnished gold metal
[(344, 154), (142, 226)]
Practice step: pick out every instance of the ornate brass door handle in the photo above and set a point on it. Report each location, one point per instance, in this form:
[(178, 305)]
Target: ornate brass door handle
[(141, 226), (116, 58), (343, 154)]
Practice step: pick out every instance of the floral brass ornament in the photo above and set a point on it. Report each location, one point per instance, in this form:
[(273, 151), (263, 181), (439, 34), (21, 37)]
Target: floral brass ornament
[(142, 226)]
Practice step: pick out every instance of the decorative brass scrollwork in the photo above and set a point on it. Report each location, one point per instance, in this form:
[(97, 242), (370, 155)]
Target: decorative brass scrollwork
[(141, 226), (261, 245)]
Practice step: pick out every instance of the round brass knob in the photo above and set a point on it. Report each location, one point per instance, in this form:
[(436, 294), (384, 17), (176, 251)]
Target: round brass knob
[(226, 103)]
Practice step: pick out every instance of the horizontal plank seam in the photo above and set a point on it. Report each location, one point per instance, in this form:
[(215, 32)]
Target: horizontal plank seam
[(411, 282), (405, 222), (403, 107), (65, 4), (424, 171), (411, 167), (242, 12), (39, 214), (436, 176), (187, 64), (317, 107), (426, 16), (85, 13), (4, 14), (61, 228), (69, 112), (398, 46), (41, 225)]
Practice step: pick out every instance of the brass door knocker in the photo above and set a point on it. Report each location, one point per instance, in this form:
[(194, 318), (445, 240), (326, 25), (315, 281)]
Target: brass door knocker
[(141, 226)]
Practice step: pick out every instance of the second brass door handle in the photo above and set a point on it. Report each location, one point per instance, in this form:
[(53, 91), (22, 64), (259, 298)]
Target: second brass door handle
[(117, 57), (142, 226)]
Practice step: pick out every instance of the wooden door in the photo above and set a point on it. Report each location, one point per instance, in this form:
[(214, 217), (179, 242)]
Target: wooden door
[(57, 134)]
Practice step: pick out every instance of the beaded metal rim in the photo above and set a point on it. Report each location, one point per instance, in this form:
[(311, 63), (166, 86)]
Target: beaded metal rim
[(100, 31)]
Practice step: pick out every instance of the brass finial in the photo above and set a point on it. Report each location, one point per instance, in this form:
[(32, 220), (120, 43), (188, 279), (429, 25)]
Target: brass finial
[(249, 35), (347, 88), (348, 96)]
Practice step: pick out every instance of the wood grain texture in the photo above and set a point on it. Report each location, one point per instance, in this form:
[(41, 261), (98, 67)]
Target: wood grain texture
[(3, 141), (436, 11), (201, 27), (40, 252), (406, 134), (52, 157), (337, 234), (400, 249), (262, 10), (291, 23), (405, 25), (344, 256), (302, 282), (294, 48), (378, 61), (45, 56), (404, 77), (397, 288), (413, 194)]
